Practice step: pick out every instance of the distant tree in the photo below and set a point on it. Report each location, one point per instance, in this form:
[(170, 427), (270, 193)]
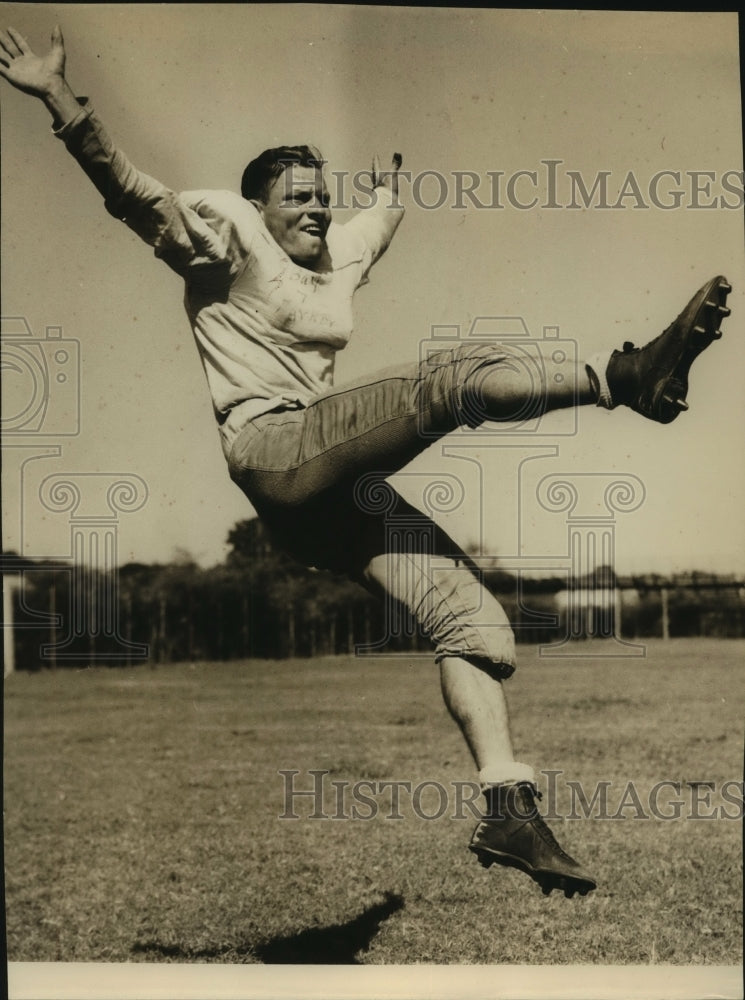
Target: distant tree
[(249, 541)]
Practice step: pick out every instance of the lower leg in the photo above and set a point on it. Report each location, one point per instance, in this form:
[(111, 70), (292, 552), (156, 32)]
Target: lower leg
[(512, 832), (477, 703)]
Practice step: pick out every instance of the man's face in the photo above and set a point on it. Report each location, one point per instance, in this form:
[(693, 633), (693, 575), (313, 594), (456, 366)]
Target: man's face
[(297, 215)]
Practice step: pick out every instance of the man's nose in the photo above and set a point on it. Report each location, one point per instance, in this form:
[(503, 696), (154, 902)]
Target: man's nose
[(319, 207)]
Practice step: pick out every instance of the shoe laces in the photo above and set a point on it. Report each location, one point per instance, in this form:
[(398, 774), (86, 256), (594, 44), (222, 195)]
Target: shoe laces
[(540, 824)]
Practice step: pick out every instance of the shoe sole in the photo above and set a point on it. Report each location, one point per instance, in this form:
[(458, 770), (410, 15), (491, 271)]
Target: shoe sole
[(548, 881), (700, 323)]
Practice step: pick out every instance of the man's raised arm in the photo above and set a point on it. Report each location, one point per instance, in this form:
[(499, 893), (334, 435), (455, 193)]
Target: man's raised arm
[(378, 223), (178, 235)]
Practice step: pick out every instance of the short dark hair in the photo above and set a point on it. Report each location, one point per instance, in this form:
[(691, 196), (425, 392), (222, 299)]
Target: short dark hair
[(261, 173)]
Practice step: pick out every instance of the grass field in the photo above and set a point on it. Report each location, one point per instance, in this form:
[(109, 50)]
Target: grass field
[(142, 805)]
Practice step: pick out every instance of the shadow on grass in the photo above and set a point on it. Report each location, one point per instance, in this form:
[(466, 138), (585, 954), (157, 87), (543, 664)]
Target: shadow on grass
[(338, 944), (334, 945)]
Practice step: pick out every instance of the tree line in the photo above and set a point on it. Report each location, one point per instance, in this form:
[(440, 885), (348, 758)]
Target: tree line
[(260, 603)]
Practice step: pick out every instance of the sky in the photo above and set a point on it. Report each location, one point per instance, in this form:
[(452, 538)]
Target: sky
[(192, 92)]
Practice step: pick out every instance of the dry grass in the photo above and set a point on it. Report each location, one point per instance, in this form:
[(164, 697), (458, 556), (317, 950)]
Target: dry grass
[(141, 814)]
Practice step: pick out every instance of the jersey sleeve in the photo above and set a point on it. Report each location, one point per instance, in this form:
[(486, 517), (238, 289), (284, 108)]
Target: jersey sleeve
[(376, 225), (189, 243)]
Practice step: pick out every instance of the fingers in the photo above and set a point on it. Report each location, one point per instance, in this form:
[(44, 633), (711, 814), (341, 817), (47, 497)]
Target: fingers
[(26, 71), (380, 178), (10, 47), (20, 42), (6, 45), (5, 58)]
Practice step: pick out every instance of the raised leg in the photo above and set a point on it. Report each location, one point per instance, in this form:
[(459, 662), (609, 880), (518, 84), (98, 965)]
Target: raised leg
[(529, 382)]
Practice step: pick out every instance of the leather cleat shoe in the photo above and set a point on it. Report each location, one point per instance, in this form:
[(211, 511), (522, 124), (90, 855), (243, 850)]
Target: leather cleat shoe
[(653, 380), (514, 834)]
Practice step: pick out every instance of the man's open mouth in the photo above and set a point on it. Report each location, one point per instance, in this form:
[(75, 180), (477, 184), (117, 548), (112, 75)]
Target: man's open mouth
[(314, 230)]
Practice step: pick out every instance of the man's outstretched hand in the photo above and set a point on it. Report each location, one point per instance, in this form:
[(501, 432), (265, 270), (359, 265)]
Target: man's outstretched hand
[(35, 75), (387, 178)]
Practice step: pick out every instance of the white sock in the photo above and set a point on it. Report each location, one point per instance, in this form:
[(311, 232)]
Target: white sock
[(597, 367), (506, 774)]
